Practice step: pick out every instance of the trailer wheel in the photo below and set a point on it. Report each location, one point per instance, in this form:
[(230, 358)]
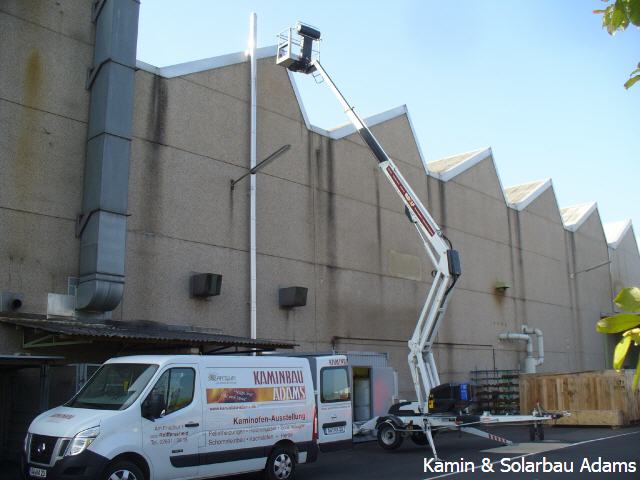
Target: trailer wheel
[(281, 464), (536, 430), (419, 438), (388, 437), (123, 470)]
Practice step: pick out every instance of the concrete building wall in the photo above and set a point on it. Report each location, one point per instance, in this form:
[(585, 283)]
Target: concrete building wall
[(589, 276), (625, 263), (327, 219), (46, 50)]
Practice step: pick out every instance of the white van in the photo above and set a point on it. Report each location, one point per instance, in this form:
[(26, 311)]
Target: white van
[(162, 417)]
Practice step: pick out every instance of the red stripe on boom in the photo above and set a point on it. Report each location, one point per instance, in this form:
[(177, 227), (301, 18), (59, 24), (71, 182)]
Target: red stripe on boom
[(410, 200)]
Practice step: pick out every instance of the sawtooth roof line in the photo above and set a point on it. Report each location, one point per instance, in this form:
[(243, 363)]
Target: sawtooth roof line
[(204, 64), (573, 217), (616, 231), (521, 196), (448, 167), (337, 133), (517, 197)]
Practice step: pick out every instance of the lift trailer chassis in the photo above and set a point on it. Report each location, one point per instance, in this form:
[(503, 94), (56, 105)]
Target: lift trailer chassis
[(430, 424)]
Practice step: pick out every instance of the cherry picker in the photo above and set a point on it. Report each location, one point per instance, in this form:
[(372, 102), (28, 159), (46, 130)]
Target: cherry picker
[(298, 50)]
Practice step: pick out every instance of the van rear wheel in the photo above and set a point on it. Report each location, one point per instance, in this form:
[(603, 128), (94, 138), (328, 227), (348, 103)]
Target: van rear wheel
[(281, 464), (123, 470)]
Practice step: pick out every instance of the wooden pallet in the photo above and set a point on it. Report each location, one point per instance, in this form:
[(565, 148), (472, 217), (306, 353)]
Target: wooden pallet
[(594, 398)]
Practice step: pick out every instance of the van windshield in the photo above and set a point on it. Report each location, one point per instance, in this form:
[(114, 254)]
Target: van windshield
[(114, 386)]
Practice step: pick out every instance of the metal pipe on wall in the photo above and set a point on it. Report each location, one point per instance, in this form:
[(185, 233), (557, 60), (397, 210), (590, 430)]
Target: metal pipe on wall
[(252, 188), (530, 362)]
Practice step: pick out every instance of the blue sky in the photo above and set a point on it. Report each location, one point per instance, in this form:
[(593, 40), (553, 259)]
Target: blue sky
[(538, 81)]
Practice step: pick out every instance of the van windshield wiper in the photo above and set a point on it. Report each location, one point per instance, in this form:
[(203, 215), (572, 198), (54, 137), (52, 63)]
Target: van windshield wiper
[(95, 405)]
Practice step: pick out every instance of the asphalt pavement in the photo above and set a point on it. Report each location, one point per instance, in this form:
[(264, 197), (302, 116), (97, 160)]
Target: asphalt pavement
[(563, 447), (586, 451)]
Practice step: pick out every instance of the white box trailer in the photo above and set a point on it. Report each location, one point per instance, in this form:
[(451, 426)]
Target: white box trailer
[(165, 417)]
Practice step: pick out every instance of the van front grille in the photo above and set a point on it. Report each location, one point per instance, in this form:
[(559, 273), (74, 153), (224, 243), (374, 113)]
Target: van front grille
[(42, 448)]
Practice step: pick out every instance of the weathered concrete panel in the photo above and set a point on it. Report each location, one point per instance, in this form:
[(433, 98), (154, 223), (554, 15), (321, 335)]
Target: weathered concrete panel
[(483, 178), (356, 304), (274, 90), (546, 206), (37, 254), (43, 62), (41, 160), (274, 132), (396, 137), (476, 318), (186, 196), (536, 269), (71, 18), (625, 263), (191, 117), (347, 233), (484, 262), (157, 285), (345, 168), (471, 211), (292, 324), (231, 80), (537, 234), (558, 326), (399, 235), (285, 222)]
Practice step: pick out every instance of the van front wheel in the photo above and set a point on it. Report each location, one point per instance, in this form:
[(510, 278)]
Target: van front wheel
[(281, 464), (123, 471)]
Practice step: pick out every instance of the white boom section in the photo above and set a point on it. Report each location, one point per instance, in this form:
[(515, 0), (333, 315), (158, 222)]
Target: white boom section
[(421, 361)]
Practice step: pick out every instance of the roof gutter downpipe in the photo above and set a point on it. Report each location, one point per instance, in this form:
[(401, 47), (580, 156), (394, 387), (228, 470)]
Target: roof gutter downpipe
[(530, 362), (103, 221)]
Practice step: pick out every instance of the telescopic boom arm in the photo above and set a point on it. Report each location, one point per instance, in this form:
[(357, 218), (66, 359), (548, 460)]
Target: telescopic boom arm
[(444, 259)]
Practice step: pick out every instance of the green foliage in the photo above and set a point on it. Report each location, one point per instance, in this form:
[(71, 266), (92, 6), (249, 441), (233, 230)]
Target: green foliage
[(618, 323), (628, 300), (617, 17), (621, 352)]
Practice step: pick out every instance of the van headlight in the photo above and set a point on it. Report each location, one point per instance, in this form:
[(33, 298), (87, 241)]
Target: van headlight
[(26, 442), (82, 440)]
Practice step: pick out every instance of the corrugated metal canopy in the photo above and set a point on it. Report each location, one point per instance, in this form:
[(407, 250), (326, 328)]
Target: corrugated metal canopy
[(142, 332)]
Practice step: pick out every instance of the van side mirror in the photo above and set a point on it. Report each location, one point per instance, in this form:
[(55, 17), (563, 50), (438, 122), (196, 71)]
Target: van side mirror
[(154, 406)]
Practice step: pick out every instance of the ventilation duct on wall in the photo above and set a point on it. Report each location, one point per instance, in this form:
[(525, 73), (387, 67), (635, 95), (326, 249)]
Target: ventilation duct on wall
[(102, 223)]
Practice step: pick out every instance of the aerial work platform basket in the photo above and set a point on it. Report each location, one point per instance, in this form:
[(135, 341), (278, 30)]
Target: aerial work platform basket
[(298, 48)]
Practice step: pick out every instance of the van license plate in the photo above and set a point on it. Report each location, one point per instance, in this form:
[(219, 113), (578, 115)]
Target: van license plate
[(333, 430), (37, 472)]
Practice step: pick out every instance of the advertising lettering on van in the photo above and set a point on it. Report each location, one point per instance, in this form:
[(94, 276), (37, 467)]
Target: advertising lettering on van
[(268, 419), (255, 395), (273, 377), (222, 379), (259, 385), (336, 362)]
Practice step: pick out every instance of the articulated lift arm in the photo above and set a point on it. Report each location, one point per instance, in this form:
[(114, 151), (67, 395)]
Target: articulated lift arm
[(444, 259), (297, 54)]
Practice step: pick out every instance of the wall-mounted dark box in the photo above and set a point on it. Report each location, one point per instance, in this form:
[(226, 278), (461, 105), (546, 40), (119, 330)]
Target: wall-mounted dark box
[(292, 297), (203, 285)]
